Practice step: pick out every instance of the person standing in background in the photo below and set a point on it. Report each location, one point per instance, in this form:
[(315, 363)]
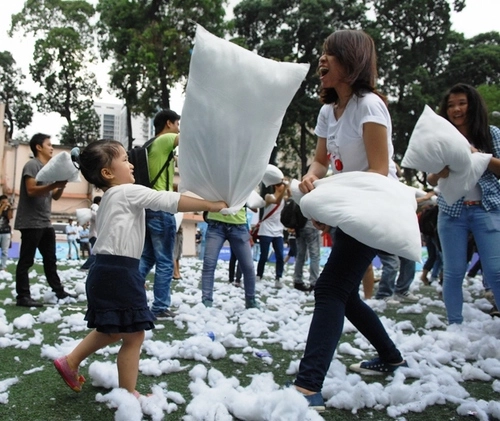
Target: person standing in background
[(92, 231), (72, 235), (33, 220), (478, 212), (5, 228), (160, 225)]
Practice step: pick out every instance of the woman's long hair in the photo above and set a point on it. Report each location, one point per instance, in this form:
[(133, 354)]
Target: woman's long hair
[(355, 51), (478, 130)]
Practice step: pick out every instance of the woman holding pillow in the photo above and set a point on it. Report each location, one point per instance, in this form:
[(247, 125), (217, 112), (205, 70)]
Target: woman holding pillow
[(478, 212), (354, 134)]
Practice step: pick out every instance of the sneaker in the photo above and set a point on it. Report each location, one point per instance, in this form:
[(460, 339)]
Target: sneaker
[(258, 278), (71, 377), (278, 284), (237, 284), (494, 312), (62, 295), (165, 314), (251, 303), (488, 294), (389, 300), (207, 303), (376, 367), (301, 286), (407, 297), (315, 401), (28, 302)]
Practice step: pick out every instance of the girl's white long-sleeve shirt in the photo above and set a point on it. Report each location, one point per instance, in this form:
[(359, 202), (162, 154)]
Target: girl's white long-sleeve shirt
[(121, 223)]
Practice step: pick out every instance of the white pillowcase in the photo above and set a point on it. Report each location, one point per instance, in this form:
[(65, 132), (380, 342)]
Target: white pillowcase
[(375, 210), (59, 168), (83, 215), (255, 200), (435, 143), (234, 107), (272, 176)]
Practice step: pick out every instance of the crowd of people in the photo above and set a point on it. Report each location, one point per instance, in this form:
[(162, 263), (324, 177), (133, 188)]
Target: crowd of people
[(135, 229)]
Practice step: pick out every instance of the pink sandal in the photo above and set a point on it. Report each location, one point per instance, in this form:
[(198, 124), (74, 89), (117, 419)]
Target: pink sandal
[(71, 377)]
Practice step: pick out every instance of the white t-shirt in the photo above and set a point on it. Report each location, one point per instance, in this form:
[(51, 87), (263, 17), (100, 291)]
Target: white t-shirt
[(121, 223), (272, 226), (344, 137)]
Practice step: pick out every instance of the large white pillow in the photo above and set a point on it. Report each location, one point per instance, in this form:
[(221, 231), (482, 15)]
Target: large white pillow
[(375, 210), (255, 200), (435, 143), (83, 215), (234, 107), (273, 175), (59, 168)]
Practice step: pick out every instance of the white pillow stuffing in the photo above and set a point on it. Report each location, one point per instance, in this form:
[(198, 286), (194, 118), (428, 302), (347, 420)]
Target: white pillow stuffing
[(374, 209), (435, 143), (59, 168), (234, 107)]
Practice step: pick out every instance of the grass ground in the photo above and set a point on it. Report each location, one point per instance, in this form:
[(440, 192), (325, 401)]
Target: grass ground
[(40, 395)]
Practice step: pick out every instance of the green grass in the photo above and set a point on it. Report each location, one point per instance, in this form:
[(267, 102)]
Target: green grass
[(43, 396)]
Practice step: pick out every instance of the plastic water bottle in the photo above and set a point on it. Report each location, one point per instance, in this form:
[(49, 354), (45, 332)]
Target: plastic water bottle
[(211, 335)]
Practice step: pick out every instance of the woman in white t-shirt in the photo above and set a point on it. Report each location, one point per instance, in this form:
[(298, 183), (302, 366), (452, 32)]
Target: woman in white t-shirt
[(354, 134)]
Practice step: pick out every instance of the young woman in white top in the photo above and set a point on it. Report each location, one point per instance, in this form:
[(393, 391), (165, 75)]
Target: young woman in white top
[(117, 305), (354, 134)]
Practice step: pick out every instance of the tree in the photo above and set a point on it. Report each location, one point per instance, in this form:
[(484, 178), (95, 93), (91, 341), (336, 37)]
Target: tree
[(294, 31), (150, 43), (62, 54), (18, 110)]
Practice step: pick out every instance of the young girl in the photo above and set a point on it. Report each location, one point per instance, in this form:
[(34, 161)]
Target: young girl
[(117, 305)]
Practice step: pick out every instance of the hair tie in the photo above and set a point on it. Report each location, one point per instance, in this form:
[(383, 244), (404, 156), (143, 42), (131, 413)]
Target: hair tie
[(75, 157)]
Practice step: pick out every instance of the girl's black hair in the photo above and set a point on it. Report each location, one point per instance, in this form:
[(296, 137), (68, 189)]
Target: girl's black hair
[(96, 156), (478, 130), (355, 51)]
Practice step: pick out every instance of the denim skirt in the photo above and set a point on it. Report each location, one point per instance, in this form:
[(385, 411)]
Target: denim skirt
[(116, 296)]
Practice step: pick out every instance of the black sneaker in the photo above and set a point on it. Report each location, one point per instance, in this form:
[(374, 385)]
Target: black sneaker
[(376, 366), (64, 294), (28, 302), (166, 314), (301, 287)]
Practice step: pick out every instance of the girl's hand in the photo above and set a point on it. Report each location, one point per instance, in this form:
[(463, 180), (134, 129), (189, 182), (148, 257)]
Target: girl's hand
[(444, 173), (320, 226), (307, 183), (217, 206)]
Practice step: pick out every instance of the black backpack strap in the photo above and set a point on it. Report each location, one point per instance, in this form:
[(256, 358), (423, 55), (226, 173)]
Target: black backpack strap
[(165, 165)]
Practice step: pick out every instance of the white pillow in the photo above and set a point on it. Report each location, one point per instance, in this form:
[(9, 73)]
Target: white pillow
[(375, 210), (59, 168), (435, 143), (83, 215), (255, 200), (234, 107), (272, 176)]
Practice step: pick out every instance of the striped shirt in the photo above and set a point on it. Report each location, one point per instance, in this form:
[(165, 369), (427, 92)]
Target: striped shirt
[(490, 187)]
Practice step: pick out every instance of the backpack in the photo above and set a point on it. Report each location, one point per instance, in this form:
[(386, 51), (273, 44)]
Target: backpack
[(291, 216), (138, 157)]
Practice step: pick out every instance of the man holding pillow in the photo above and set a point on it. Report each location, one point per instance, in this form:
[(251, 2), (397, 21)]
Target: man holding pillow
[(33, 220)]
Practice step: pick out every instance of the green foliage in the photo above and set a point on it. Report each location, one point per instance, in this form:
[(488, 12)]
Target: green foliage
[(63, 51), (294, 31), (150, 44), (18, 110)]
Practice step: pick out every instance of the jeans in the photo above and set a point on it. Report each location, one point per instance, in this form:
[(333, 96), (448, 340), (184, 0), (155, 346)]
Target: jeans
[(5, 244), (45, 240), (434, 261), (74, 244), (158, 250), (239, 240), (234, 266), (390, 268), (307, 240), (453, 233), (265, 242), (337, 295)]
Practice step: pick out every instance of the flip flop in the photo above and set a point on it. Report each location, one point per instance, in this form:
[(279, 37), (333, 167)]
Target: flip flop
[(71, 377)]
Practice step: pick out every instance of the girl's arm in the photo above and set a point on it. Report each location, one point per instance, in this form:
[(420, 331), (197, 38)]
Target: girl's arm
[(318, 168), (193, 204), (377, 152), (277, 197)]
